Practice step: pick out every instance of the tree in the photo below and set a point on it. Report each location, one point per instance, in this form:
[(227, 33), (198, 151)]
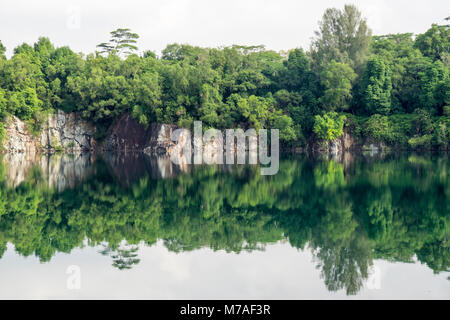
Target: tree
[(337, 79), (422, 122), (397, 50), (432, 88), (180, 52), (377, 127), (435, 42), (376, 87), (24, 104), (255, 110), (3, 105), (124, 257), (210, 101), (286, 126), (343, 36), (122, 42), (297, 75), (64, 63), (2, 51)]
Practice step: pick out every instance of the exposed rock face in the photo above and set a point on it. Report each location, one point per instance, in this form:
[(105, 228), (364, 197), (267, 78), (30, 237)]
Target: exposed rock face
[(18, 139), (62, 131), (127, 135), (345, 143), (374, 147), (71, 134), (68, 131)]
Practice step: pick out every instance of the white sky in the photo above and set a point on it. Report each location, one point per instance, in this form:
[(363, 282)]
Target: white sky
[(278, 272), (279, 24)]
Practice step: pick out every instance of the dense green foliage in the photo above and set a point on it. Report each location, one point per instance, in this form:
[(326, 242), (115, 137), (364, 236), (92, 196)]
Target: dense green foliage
[(376, 87), (330, 126), (345, 70), (394, 208)]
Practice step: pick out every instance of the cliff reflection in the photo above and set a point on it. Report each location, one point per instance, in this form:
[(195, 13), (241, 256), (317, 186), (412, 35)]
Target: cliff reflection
[(129, 167), (57, 172), (347, 212)]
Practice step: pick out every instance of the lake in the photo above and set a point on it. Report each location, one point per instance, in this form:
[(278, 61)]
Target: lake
[(130, 226)]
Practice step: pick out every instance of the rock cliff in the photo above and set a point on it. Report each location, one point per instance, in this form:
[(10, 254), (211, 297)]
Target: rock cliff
[(61, 131), (127, 135), (348, 143), (71, 134)]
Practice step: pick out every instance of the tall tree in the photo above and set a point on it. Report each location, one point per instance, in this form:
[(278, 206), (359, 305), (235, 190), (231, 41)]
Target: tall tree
[(297, 75), (343, 36), (122, 42)]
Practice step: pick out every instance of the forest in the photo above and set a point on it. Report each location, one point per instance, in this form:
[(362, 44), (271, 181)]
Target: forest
[(391, 88)]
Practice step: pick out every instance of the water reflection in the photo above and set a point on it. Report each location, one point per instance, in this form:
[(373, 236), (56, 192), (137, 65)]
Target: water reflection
[(57, 172), (348, 211)]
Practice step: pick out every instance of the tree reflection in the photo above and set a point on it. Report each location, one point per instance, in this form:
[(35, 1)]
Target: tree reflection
[(394, 208), (124, 257)]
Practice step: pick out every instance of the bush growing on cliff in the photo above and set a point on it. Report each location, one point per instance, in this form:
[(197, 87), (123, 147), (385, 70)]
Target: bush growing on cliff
[(422, 122), (377, 127), (35, 124), (330, 126), (24, 104), (3, 135), (3, 104), (441, 137), (421, 142), (286, 126), (416, 131)]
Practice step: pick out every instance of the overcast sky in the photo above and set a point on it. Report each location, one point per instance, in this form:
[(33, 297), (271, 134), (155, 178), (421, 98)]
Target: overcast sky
[(278, 24), (278, 272)]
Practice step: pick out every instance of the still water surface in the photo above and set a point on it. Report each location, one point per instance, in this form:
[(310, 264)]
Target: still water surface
[(131, 226)]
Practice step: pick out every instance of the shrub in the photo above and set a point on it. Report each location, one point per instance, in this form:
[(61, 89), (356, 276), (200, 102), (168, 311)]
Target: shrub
[(422, 142), (24, 104), (138, 114), (330, 126), (286, 126), (441, 136), (3, 134), (422, 122), (35, 124), (356, 125), (378, 128)]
